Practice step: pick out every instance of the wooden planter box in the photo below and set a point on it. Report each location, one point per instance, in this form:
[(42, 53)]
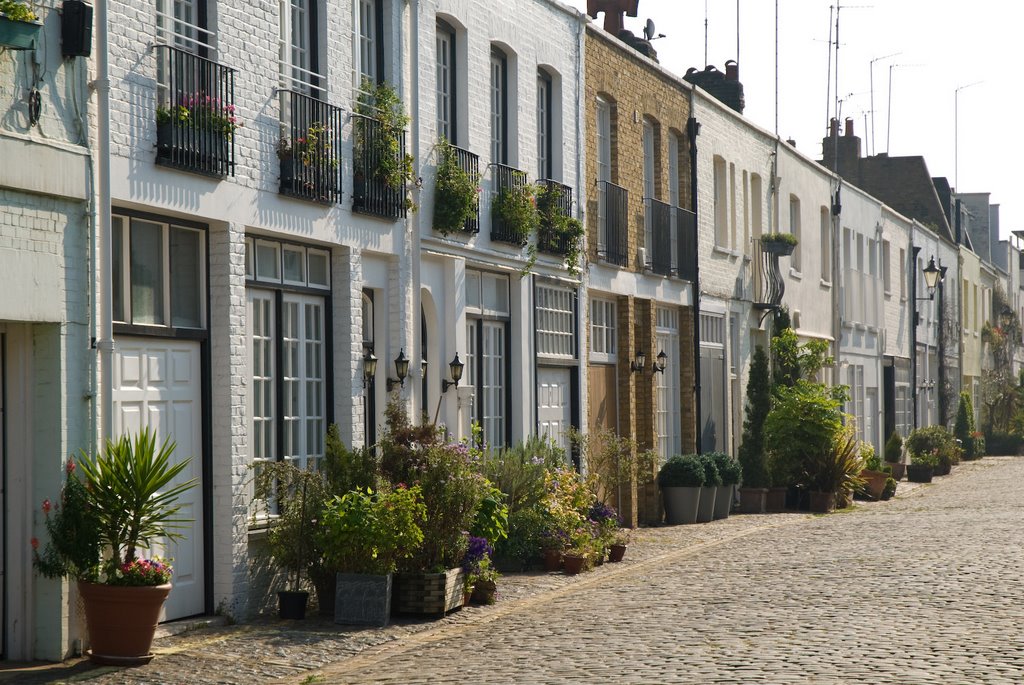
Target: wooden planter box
[(427, 593), (18, 35)]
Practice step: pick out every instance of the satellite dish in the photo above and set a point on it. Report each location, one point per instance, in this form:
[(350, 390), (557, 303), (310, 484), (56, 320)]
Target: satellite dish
[(649, 29)]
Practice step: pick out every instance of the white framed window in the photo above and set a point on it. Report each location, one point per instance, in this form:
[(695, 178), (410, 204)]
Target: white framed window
[(445, 86), (288, 263), (826, 244), (794, 229), (886, 268), (182, 23), (721, 196), (487, 357), (544, 125), (369, 40), (158, 275), (732, 206), (603, 330), (604, 168), (667, 416), (649, 183), (499, 106), (745, 237), (902, 272), (555, 320), (756, 205)]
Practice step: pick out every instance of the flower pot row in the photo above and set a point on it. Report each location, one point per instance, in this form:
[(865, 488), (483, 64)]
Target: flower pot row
[(573, 563), (684, 505)]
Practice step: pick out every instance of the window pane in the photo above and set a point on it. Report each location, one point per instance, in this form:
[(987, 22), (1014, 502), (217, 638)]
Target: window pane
[(318, 268), (186, 278), (147, 265), (555, 321), (294, 265), (117, 267), (473, 289), (267, 262)]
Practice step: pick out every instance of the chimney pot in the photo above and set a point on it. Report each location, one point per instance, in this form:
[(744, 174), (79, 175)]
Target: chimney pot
[(849, 127), (732, 70), (833, 127)]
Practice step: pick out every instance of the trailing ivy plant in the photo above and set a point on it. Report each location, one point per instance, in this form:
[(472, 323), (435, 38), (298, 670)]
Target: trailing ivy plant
[(456, 190), (515, 207), (556, 225), (381, 103)]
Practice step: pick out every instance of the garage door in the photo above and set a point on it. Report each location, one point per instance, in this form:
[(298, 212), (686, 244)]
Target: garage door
[(554, 411), (157, 383)]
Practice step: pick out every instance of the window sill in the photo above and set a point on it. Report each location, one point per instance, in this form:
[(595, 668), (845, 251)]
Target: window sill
[(725, 251), (824, 283), (796, 274)]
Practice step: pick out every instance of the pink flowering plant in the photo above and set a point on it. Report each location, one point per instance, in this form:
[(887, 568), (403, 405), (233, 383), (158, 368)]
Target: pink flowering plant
[(114, 504), (201, 111)]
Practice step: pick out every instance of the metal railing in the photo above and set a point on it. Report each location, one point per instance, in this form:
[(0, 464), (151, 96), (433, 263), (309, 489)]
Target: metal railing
[(547, 240), (371, 192), (503, 179), (195, 114), (310, 153), (686, 243), (769, 285), (659, 218), (470, 163), (613, 230)]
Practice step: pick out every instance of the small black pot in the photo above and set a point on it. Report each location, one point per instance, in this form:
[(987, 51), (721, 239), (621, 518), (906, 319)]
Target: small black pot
[(919, 473), (292, 605)]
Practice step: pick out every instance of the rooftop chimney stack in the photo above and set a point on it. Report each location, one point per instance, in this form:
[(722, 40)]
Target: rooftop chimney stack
[(849, 128), (841, 153), (726, 88)]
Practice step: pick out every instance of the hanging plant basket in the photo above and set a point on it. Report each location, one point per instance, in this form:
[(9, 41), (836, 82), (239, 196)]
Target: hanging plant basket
[(18, 35)]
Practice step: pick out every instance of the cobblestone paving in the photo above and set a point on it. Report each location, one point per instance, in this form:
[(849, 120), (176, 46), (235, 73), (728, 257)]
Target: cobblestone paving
[(922, 589)]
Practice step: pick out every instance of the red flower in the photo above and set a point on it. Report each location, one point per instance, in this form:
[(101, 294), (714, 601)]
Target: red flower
[(35, 543), (47, 506), (69, 468)]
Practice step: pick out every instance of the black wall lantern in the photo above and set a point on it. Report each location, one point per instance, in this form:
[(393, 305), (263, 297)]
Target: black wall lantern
[(369, 367), (637, 365), (660, 362), (401, 370), (455, 368)]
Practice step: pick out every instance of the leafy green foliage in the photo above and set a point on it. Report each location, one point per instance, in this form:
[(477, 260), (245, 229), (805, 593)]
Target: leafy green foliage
[(519, 471), (348, 469), (381, 103), (894, 448), (132, 494), (836, 468), (963, 429), (514, 207), (556, 226), (759, 402), (890, 488), (367, 532), (73, 550), (17, 11), (801, 427), (795, 360), (455, 192), (728, 469), (781, 238), (491, 521), (712, 477), (682, 471), (934, 446)]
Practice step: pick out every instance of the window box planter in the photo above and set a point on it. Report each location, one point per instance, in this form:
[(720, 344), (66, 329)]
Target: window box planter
[(783, 249), (362, 599), (18, 35)]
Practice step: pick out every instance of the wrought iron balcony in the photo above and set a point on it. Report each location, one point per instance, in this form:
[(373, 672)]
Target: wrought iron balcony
[(195, 113), (470, 163), (372, 193), (613, 205), (548, 240), (659, 222), (504, 179), (310, 153), (769, 286), (686, 243)]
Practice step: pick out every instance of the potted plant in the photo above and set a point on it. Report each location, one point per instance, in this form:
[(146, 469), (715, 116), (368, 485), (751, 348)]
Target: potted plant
[(922, 466), (729, 471), (379, 145), (709, 489), (575, 560), (833, 475), (514, 213), (618, 547), (123, 503), (680, 480), (456, 191), (365, 534), (199, 123), (292, 501), (964, 429), (873, 476), (894, 455), (781, 244), (18, 25), (604, 523), (753, 494), (935, 446), (558, 231), (481, 576), (309, 161)]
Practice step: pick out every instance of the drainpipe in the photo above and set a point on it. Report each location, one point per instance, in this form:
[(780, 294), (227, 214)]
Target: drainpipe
[(412, 225), (912, 274), (692, 131), (104, 261)]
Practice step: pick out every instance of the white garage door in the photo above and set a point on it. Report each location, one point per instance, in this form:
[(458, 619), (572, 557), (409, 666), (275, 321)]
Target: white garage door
[(554, 413), (157, 383)]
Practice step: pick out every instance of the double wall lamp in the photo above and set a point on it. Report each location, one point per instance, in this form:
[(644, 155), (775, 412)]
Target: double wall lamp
[(660, 362), (370, 369)]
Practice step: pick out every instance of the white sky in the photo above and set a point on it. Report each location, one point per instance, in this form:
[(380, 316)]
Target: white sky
[(943, 44)]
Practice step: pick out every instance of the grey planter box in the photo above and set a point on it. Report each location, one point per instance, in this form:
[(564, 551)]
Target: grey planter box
[(706, 508), (680, 505), (723, 501), (362, 599)]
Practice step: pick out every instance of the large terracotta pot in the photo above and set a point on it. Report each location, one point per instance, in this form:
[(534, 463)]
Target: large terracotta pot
[(122, 621), (822, 502), (752, 500)]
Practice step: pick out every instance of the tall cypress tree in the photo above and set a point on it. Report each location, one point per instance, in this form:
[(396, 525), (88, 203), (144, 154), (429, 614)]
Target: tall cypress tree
[(752, 458)]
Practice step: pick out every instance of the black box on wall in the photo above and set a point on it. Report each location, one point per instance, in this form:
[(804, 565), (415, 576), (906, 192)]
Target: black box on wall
[(76, 29)]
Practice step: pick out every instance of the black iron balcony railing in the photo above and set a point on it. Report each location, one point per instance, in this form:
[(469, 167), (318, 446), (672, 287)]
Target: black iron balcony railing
[(686, 243), (549, 240), (310, 152), (195, 116), (470, 163), (769, 285), (613, 237), (503, 228), (659, 218), (375, 149)]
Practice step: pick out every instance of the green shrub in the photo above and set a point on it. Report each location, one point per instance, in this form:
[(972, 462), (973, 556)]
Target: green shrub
[(728, 468), (1002, 444), (682, 471), (526, 527), (890, 488), (871, 459), (519, 471), (800, 429), (759, 403), (963, 429), (836, 469), (933, 445), (366, 532), (894, 448), (712, 477)]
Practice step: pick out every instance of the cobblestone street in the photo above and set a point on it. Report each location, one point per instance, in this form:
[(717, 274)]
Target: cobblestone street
[(925, 588)]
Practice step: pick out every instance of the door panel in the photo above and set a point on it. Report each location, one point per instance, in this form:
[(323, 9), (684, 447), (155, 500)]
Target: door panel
[(554, 405), (158, 384), (712, 389), (602, 399)]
